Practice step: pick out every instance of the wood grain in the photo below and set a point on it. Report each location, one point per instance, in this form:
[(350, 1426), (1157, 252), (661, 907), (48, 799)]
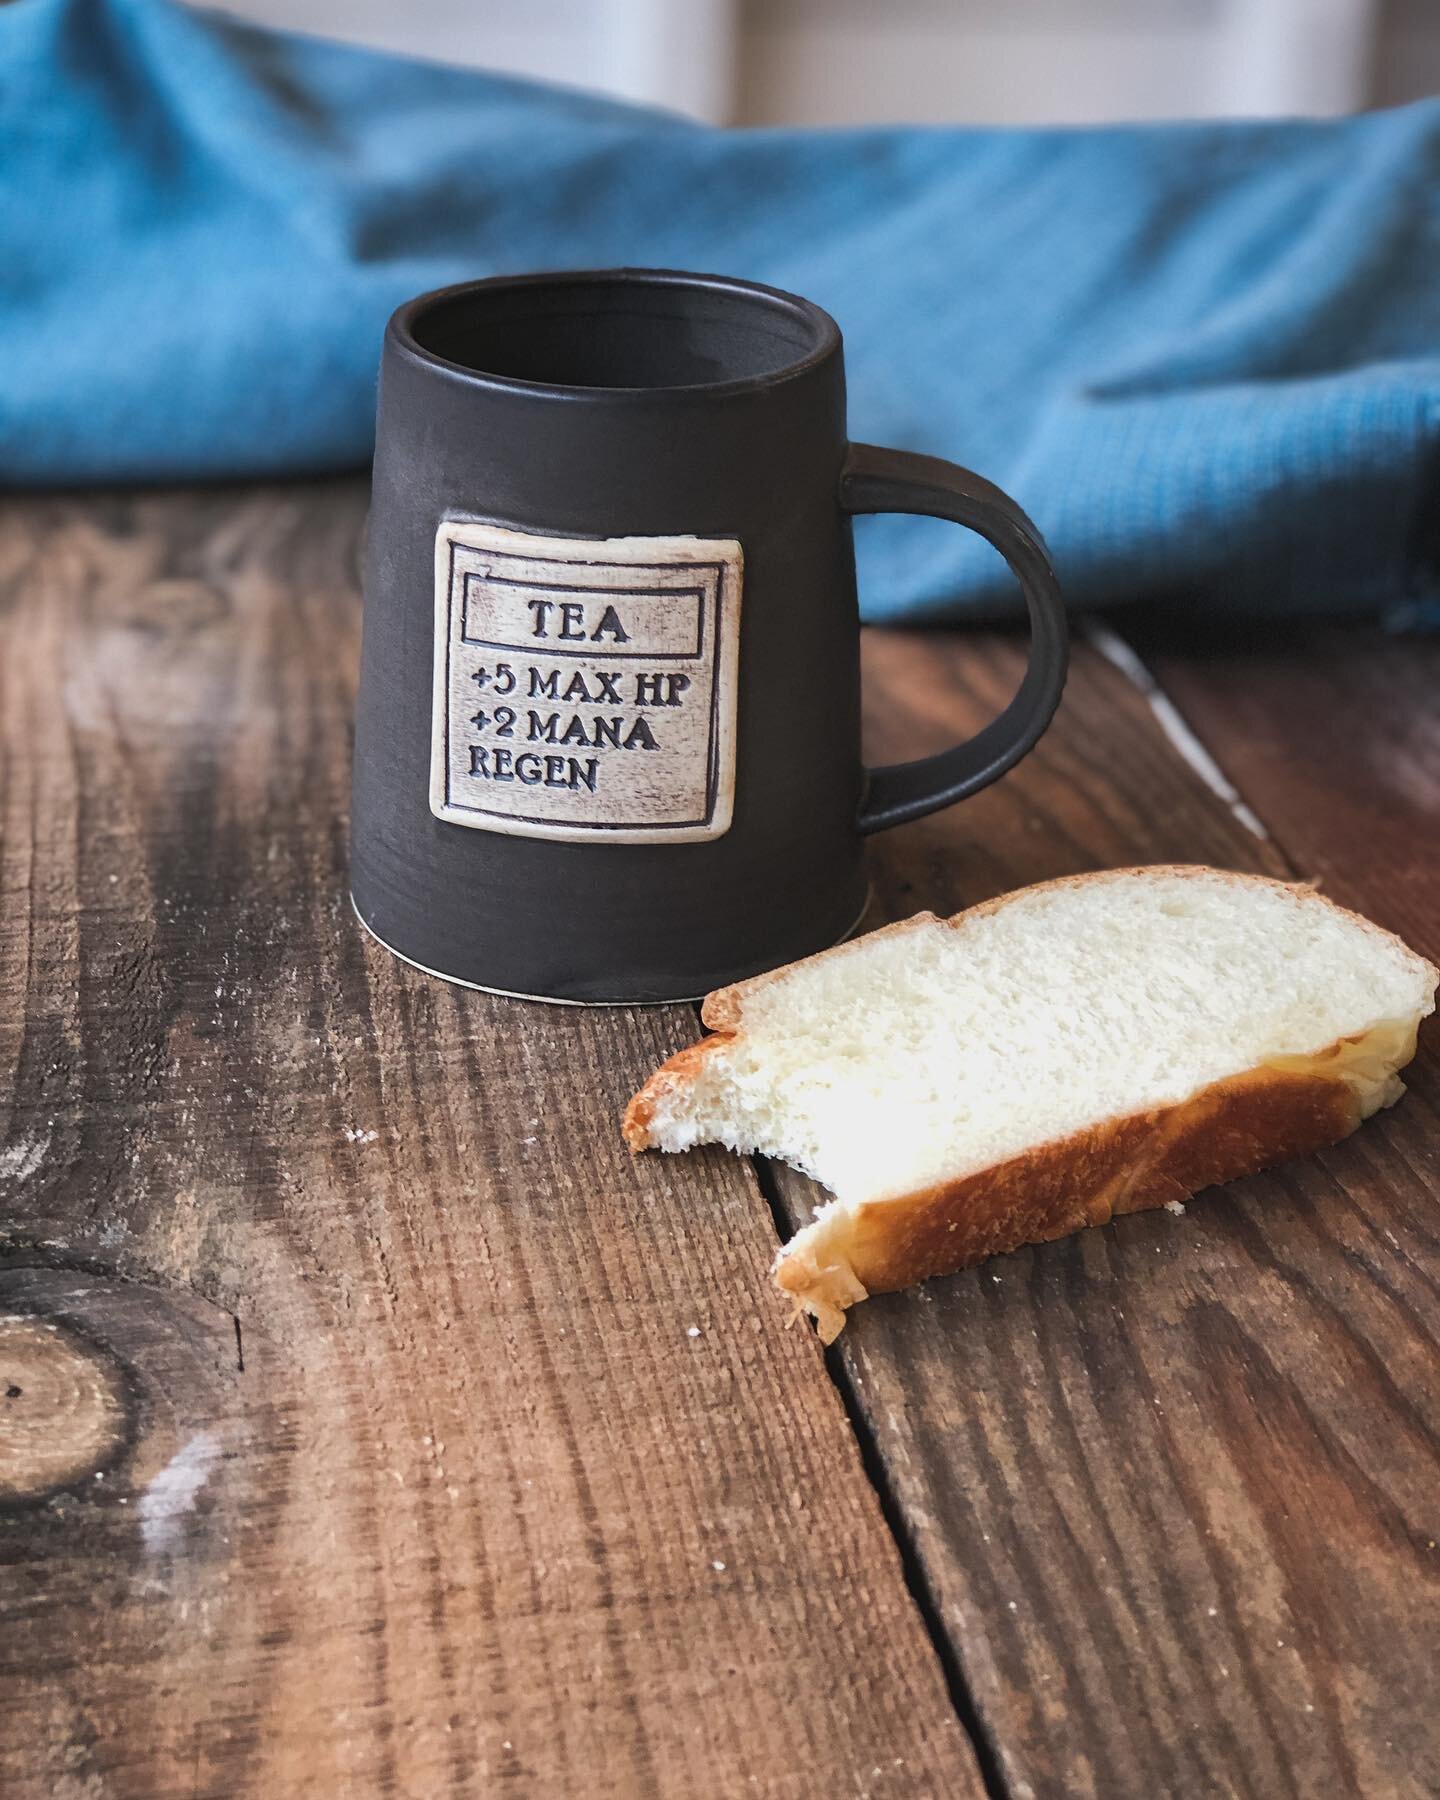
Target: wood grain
[(1335, 735), (382, 1428), (1171, 1486), (350, 1463)]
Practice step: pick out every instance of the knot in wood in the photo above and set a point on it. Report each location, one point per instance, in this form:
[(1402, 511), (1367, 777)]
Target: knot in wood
[(62, 1408)]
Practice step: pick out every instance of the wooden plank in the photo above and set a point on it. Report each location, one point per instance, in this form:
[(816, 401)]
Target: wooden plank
[(369, 1421), (1335, 735), (1170, 1486)]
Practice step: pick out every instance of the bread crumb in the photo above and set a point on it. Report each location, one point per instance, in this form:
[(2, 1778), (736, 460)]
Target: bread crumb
[(1175, 1206), (692, 1331), (718, 1567)]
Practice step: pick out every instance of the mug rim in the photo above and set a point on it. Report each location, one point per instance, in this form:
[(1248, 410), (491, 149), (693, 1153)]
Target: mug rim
[(400, 334)]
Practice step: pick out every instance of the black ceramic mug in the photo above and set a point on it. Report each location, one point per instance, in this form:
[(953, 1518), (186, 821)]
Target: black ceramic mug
[(608, 740)]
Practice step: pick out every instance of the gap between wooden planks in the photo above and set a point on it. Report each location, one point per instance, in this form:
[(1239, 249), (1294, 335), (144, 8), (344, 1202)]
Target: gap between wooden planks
[(370, 1422), (1170, 1488)]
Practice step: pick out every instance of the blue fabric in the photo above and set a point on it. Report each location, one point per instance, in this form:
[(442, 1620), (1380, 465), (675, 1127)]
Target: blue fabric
[(1206, 358)]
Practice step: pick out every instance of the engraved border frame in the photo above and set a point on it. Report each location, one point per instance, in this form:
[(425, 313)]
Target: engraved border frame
[(722, 557)]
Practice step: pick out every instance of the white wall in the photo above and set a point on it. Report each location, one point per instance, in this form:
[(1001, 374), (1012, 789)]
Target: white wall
[(938, 61), (823, 62), (1079, 61), (678, 53)]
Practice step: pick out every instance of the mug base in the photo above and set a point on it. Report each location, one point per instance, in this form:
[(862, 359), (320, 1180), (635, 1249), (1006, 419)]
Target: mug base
[(479, 987)]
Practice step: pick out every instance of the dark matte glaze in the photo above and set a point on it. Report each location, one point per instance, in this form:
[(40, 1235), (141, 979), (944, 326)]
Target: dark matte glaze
[(760, 458)]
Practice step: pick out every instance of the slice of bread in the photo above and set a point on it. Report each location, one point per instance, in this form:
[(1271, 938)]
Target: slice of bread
[(1076, 1050)]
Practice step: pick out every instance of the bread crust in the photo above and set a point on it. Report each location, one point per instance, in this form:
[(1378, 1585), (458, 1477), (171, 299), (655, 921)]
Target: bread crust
[(677, 1073), (668, 1079), (1231, 1128), (723, 1010)]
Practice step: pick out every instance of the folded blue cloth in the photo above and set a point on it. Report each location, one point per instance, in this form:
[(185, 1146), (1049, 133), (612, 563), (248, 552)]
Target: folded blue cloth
[(1206, 358)]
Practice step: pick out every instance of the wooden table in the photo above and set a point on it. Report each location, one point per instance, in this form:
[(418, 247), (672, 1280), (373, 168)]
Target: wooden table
[(371, 1423)]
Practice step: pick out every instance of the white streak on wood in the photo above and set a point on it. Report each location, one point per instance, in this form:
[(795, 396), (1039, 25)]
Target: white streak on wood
[(1168, 717), (174, 1491), (19, 1161)]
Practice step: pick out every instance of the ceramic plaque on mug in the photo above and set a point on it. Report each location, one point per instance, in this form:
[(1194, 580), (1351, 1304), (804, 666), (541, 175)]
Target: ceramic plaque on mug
[(585, 691), (608, 740)]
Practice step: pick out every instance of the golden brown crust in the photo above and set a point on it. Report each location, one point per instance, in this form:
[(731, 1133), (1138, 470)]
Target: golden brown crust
[(681, 1069), (1231, 1128)]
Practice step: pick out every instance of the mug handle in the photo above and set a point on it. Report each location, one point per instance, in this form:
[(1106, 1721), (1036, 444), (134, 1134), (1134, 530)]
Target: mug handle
[(876, 481)]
